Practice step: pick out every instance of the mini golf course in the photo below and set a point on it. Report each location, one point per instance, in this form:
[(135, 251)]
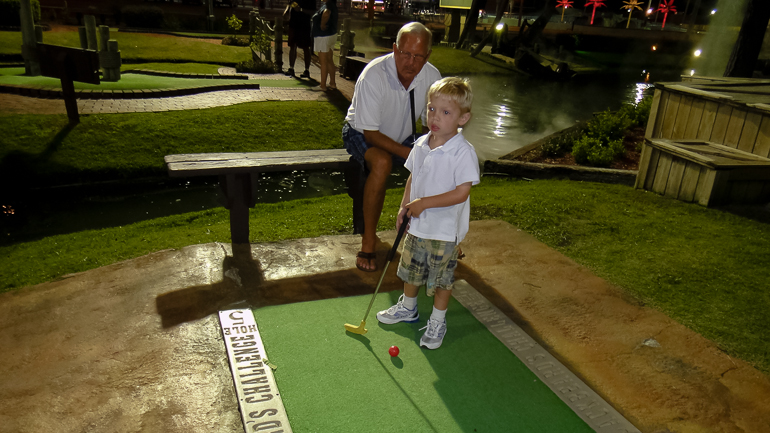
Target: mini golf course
[(335, 381)]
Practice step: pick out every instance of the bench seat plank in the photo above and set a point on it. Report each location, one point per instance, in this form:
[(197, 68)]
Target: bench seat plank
[(210, 164)]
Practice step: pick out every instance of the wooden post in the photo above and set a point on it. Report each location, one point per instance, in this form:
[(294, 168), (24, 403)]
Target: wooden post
[(237, 189), (29, 40), (279, 43)]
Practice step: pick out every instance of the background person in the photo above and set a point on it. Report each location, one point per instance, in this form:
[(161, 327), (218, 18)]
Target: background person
[(443, 167), (379, 127), (324, 37), (299, 33)]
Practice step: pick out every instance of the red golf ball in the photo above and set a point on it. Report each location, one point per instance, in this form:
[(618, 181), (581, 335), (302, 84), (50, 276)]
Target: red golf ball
[(393, 350)]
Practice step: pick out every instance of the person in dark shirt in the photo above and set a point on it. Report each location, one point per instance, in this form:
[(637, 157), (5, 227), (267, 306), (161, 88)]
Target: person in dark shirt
[(299, 33)]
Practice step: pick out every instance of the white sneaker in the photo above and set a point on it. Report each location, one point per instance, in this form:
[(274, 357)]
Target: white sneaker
[(398, 313), (434, 336)]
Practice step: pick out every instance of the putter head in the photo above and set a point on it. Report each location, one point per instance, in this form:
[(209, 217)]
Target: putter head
[(360, 329)]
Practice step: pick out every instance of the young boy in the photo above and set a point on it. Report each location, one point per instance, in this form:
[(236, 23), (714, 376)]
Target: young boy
[(443, 166)]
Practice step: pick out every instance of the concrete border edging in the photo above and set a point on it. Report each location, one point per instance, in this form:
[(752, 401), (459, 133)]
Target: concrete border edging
[(532, 170)]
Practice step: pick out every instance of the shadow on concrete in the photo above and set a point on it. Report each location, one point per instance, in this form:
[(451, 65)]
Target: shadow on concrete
[(244, 286)]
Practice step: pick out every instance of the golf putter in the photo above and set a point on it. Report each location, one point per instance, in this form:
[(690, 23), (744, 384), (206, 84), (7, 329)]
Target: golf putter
[(361, 329)]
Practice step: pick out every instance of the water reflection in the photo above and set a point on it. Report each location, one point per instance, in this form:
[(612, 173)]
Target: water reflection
[(512, 111)]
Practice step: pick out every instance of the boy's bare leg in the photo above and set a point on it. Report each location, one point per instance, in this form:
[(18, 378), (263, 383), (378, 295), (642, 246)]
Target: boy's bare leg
[(380, 163), (441, 298), (410, 290)]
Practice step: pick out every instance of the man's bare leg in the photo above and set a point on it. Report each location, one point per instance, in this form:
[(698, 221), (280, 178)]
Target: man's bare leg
[(380, 164)]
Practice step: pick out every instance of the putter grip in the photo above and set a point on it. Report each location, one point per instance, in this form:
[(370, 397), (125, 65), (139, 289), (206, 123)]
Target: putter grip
[(401, 230)]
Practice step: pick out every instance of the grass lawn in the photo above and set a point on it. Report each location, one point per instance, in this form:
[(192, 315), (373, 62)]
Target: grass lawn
[(143, 48), (44, 149)]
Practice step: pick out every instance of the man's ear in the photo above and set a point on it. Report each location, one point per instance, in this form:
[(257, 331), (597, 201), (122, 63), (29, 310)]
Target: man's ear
[(464, 118), (428, 56), (395, 47)]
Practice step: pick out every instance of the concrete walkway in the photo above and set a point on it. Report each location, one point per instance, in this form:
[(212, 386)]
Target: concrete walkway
[(135, 346)]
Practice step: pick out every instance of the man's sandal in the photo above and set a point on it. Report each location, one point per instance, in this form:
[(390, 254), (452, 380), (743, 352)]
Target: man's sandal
[(369, 257)]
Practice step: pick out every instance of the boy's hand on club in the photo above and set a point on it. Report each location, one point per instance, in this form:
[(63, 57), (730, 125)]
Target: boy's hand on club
[(400, 218), (415, 208)]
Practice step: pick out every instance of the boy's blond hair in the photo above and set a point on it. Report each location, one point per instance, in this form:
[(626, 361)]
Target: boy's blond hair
[(455, 88)]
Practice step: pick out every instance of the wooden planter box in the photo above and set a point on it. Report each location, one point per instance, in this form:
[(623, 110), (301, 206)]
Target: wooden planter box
[(734, 112), (704, 172)]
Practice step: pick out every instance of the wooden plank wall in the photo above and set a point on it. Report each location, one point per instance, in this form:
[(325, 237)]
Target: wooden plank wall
[(719, 119)]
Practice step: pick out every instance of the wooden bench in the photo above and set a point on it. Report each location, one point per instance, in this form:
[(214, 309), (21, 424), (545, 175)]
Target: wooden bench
[(354, 65), (239, 173)]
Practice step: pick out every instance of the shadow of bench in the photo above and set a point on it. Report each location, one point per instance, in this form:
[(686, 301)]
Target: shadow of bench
[(239, 173)]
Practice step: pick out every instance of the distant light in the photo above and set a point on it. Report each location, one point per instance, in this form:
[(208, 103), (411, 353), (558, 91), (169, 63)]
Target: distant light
[(499, 26), (649, 11), (713, 11), (692, 72), (654, 48), (644, 71), (697, 53)]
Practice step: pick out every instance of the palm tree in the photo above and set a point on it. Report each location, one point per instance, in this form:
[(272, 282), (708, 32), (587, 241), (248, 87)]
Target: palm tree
[(563, 4), (666, 6), (630, 5), (596, 4)]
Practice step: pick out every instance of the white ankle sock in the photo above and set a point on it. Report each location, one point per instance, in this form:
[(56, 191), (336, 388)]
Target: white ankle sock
[(410, 303), (439, 315)]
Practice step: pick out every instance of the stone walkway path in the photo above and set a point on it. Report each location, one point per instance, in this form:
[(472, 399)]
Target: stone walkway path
[(17, 104)]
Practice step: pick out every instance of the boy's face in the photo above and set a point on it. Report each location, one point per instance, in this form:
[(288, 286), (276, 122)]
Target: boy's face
[(445, 116)]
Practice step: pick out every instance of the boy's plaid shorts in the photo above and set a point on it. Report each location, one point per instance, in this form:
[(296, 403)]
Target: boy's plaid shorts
[(428, 262)]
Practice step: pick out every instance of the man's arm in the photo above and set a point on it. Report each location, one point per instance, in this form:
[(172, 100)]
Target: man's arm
[(382, 141), (449, 198)]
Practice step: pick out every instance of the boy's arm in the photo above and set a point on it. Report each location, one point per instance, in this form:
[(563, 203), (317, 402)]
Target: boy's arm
[(449, 198), (406, 199)]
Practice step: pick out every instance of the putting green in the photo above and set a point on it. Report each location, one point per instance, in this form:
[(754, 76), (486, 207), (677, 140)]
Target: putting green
[(334, 381)]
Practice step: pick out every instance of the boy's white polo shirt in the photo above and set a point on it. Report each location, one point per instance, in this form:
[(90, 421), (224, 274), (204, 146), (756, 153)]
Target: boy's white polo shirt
[(438, 171), (380, 102)]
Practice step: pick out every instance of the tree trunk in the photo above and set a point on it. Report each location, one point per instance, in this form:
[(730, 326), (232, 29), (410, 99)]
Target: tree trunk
[(470, 21), (746, 50), (693, 15)]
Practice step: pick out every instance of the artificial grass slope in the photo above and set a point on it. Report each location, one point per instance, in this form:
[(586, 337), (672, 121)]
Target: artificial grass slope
[(331, 380)]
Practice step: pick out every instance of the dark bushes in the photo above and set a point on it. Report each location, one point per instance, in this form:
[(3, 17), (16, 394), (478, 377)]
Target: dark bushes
[(145, 17), (9, 12)]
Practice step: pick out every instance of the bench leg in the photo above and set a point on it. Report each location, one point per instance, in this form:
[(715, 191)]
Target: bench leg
[(355, 179), (237, 188)]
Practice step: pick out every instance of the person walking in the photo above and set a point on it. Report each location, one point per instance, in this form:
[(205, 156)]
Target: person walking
[(324, 37), (299, 13)]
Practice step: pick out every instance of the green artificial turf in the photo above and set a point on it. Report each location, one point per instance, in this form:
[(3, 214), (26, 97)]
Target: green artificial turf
[(16, 77), (334, 381), (194, 68)]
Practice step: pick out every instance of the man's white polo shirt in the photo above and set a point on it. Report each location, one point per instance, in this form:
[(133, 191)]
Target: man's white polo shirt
[(380, 102)]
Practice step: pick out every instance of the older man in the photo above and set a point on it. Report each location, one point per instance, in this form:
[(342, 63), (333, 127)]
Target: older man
[(380, 124)]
